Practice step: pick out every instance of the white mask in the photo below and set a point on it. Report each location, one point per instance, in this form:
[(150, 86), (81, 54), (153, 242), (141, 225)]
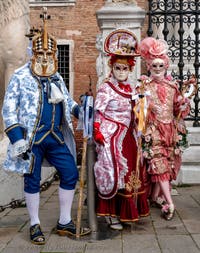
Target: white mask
[(157, 69), (120, 71)]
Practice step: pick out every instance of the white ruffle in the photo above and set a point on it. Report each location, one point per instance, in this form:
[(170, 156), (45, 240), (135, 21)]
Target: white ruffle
[(56, 95)]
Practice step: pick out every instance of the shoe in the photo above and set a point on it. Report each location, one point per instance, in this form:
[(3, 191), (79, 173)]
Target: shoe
[(114, 223), (159, 202), (70, 229), (36, 235), (169, 213)]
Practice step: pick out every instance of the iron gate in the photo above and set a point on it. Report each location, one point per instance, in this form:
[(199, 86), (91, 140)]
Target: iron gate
[(177, 22)]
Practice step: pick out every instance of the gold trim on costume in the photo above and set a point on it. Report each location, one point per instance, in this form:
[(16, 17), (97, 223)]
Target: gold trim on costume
[(12, 127), (130, 195), (133, 183), (32, 163)]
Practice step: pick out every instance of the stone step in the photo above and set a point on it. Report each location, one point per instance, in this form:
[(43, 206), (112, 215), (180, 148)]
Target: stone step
[(191, 155)]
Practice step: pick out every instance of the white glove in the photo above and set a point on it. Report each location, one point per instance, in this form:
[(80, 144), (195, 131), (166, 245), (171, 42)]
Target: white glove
[(19, 147)]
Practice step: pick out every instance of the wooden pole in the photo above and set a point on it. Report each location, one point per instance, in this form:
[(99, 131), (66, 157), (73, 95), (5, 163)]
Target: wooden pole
[(81, 188), (91, 188)]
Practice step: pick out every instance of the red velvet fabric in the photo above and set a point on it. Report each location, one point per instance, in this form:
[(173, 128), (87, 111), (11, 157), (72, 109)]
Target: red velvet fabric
[(128, 205)]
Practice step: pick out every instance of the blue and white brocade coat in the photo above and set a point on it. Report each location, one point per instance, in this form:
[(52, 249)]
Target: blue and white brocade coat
[(22, 109)]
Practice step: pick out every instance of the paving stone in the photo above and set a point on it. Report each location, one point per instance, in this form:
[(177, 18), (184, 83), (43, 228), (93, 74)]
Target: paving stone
[(188, 190), (5, 212), (184, 201), (6, 234), (13, 221), (143, 226), (196, 238), (196, 197), (186, 213), (2, 246), (140, 244), (49, 191), (20, 250), (19, 211), (21, 241), (57, 243), (193, 226), (105, 246), (54, 198), (169, 229), (175, 226), (177, 244)]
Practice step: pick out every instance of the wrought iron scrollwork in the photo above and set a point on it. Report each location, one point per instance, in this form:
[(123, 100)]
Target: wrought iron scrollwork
[(177, 21)]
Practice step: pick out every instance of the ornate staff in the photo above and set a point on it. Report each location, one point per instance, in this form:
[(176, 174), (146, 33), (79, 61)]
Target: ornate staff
[(188, 89), (140, 113)]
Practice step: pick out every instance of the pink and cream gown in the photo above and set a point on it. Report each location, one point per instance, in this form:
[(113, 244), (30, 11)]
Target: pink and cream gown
[(165, 128)]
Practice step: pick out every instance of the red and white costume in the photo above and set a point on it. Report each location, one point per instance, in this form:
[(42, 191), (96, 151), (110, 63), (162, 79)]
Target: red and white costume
[(120, 187), (119, 179)]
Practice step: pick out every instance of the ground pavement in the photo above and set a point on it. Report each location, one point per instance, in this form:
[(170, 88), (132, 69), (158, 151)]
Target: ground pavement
[(150, 235)]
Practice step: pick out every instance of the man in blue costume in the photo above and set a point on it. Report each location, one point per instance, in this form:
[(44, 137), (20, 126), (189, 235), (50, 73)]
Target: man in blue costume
[(37, 112)]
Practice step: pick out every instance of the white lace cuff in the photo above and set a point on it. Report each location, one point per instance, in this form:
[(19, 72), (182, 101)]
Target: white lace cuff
[(19, 147)]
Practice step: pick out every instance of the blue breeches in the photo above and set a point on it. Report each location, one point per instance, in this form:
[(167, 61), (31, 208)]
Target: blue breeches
[(57, 155)]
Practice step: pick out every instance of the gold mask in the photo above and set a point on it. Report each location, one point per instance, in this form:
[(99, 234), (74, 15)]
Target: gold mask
[(44, 61)]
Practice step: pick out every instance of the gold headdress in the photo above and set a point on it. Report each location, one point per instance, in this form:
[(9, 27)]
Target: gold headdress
[(44, 48)]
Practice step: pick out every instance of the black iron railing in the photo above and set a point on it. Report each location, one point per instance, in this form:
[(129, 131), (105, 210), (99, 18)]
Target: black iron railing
[(178, 22)]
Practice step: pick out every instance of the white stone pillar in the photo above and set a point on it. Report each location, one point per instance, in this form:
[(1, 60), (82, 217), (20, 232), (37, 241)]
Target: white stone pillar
[(117, 15)]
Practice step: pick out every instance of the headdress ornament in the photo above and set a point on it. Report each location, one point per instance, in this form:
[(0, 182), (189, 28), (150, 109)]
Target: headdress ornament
[(121, 42), (44, 42), (151, 48)]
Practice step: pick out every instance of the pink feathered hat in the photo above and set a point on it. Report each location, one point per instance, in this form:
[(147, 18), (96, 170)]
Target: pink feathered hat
[(151, 49)]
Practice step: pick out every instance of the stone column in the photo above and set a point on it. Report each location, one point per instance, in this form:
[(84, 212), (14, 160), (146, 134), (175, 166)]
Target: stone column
[(116, 14), (14, 24)]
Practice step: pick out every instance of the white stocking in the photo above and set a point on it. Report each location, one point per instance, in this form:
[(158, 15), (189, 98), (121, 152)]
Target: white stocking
[(66, 199), (156, 191), (32, 203), (165, 187)]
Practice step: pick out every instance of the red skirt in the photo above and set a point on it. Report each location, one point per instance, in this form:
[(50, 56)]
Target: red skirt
[(129, 203)]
